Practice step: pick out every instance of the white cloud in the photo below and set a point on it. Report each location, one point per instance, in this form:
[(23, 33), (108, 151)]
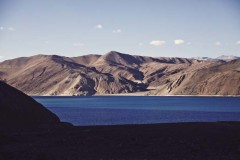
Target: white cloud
[(140, 44), (11, 29), (238, 42), (99, 26), (117, 31), (179, 41), (217, 43), (157, 43), (78, 44), (2, 28)]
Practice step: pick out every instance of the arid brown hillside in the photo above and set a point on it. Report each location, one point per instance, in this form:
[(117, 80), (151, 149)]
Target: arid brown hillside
[(221, 78), (118, 73), (55, 75)]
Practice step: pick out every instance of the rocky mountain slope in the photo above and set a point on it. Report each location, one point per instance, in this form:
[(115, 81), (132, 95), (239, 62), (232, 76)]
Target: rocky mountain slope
[(118, 73), (216, 79)]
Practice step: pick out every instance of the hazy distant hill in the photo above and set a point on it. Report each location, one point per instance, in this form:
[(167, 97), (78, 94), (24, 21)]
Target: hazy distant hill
[(114, 73), (223, 58), (227, 58)]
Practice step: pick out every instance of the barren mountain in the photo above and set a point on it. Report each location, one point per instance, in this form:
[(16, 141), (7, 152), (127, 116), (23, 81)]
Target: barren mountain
[(55, 75), (116, 73), (222, 78)]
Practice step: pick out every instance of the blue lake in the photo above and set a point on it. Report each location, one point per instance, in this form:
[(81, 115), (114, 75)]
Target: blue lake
[(109, 110)]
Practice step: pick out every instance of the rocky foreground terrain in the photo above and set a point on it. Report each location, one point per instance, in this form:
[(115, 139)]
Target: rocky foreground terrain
[(118, 73)]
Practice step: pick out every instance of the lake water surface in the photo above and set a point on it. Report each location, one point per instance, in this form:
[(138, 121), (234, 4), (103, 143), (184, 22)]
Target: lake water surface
[(109, 110)]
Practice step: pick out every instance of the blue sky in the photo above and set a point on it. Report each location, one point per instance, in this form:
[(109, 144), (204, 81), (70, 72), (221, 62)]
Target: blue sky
[(182, 28)]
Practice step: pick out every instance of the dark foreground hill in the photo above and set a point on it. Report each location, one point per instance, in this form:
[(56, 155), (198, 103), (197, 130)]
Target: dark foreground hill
[(18, 110), (118, 73)]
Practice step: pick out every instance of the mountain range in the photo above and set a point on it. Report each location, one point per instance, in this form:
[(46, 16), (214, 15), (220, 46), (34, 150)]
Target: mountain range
[(118, 73)]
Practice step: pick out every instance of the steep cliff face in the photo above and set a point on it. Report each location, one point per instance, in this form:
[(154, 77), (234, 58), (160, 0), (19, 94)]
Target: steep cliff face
[(20, 110), (116, 73)]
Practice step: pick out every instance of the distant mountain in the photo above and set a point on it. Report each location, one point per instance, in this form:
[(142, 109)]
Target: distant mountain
[(118, 73), (227, 58), (223, 58), (204, 58)]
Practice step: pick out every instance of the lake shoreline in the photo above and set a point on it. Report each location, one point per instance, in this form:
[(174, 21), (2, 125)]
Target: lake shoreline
[(198, 141), (98, 110), (135, 95)]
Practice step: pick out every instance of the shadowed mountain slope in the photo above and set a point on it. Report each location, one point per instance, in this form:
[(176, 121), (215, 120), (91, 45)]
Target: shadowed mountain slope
[(20, 110)]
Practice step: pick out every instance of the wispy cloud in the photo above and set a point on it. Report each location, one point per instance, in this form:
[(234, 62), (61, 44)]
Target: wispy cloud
[(238, 42), (157, 43), (2, 28), (117, 31), (11, 29), (140, 43), (78, 44), (218, 43), (99, 26), (178, 41)]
